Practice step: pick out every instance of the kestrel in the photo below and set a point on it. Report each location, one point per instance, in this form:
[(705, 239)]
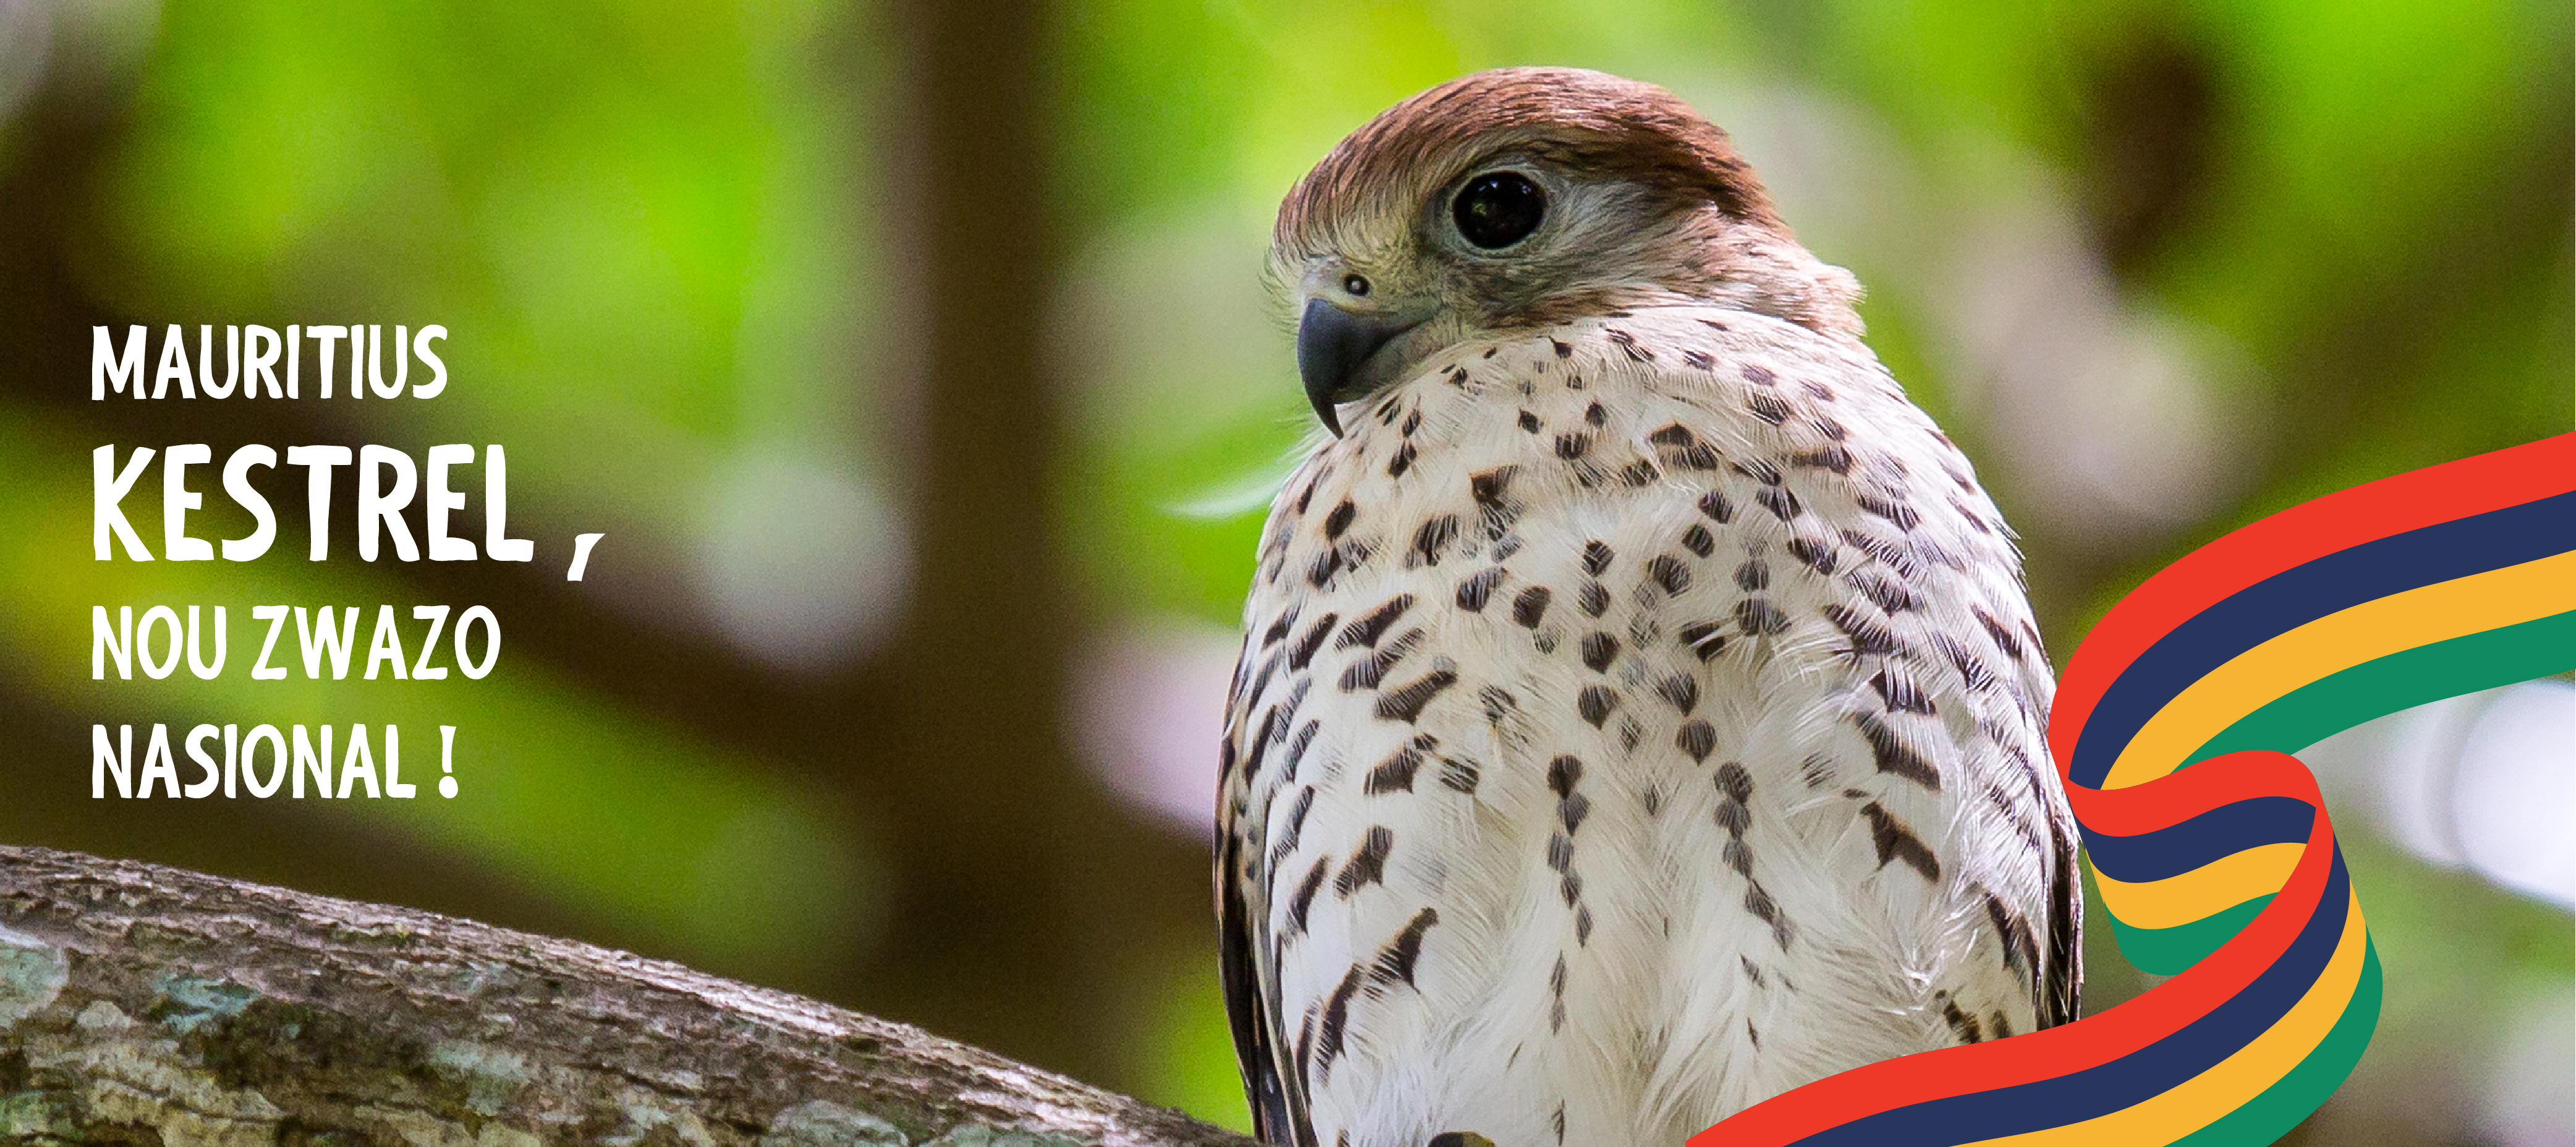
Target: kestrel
[(1639, 713)]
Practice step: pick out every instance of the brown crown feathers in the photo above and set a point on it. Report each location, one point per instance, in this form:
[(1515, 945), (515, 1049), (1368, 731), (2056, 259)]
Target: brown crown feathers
[(1698, 223)]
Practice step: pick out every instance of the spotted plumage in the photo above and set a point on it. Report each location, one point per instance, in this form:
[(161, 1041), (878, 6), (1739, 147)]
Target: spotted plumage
[(1735, 717)]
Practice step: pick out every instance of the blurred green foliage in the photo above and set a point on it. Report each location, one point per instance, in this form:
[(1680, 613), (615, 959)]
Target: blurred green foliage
[(667, 234)]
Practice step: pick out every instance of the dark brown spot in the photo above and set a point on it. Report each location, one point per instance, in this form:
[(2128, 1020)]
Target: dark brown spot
[(1669, 572), (1833, 458), (1899, 692), (1595, 415), (1303, 903), (1433, 537), (1337, 1016), (1562, 350), (1703, 638), (1593, 599), (1758, 901), (1572, 446), (1816, 554), (1897, 842), (1597, 557), (1717, 508), (1395, 961), (1563, 773), (1884, 550), (1394, 774), (1697, 738), (1326, 565), (2004, 638), (1304, 651), (1368, 865), (1894, 755), (1339, 520), (1961, 1023), (1757, 617), (1406, 704), (1478, 587), (1531, 606), (1412, 422), (1639, 474), (1681, 690), (1367, 672), (2014, 932), (1820, 391), (1890, 509), (1698, 359), (1768, 408), (1697, 540), (1305, 739), (1759, 375), (1287, 843), (1752, 575), (1735, 818), (1599, 650), (1403, 460), (1972, 670), (1869, 636), (1777, 499), (1885, 594), (1529, 422), (1595, 703), (1366, 630)]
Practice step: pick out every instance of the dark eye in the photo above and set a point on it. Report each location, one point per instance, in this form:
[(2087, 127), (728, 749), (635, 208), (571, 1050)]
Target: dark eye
[(1354, 285), (1499, 209)]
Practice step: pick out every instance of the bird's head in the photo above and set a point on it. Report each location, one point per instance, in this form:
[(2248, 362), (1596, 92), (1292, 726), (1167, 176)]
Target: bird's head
[(1521, 198)]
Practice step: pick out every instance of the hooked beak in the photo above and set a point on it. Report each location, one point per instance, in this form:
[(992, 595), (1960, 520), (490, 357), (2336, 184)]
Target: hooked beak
[(1332, 345)]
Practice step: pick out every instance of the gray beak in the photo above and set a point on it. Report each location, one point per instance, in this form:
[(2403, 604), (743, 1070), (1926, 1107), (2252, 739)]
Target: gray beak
[(1332, 345)]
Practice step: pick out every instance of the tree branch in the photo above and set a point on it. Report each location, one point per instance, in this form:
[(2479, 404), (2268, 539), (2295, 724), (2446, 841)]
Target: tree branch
[(141, 1004)]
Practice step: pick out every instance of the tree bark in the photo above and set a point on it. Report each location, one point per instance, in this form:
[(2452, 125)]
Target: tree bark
[(141, 1004)]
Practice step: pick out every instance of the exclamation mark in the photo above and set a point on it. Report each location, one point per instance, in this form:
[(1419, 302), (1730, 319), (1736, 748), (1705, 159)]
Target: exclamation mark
[(447, 761)]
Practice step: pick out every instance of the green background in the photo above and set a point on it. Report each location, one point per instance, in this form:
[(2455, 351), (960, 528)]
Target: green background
[(690, 254)]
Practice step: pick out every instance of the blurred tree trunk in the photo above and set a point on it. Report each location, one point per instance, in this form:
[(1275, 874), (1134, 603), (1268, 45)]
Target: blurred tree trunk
[(146, 1004), (1009, 890)]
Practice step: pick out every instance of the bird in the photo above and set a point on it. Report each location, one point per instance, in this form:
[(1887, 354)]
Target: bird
[(1639, 712)]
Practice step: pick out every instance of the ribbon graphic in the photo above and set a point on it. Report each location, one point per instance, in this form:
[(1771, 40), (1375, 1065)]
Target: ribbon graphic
[(2210, 844)]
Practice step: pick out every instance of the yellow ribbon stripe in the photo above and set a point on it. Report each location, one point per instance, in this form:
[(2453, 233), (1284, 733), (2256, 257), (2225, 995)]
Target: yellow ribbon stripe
[(2338, 641), (2211, 888)]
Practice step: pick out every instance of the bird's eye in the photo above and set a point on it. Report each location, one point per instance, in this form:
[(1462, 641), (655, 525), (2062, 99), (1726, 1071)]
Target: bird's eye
[(1499, 209), (1355, 285)]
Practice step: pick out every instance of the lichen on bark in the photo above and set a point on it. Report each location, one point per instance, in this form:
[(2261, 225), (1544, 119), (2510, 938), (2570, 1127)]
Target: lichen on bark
[(147, 1005)]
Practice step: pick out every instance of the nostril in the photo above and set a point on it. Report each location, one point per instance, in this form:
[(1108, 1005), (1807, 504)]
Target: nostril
[(1355, 284)]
